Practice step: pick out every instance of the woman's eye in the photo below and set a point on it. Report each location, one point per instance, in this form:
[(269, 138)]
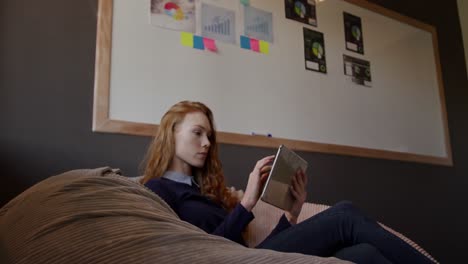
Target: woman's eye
[(198, 133)]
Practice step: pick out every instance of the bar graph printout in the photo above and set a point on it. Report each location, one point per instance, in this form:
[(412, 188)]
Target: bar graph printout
[(258, 24), (218, 23)]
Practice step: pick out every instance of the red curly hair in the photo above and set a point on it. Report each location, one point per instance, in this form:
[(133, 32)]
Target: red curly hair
[(162, 150)]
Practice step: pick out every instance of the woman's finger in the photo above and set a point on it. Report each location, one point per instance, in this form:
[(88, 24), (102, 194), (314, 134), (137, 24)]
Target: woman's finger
[(264, 177), (295, 184), (261, 163), (299, 177), (301, 192), (302, 180), (294, 193), (265, 169), (305, 178)]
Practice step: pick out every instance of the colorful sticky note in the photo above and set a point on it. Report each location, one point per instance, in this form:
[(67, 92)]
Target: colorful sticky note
[(198, 43), (245, 2), (210, 44), (186, 39), (245, 42), (264, 47), (254, 45)]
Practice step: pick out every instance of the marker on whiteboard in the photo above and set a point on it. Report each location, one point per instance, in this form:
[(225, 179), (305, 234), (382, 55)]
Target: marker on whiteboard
[(262, 134)]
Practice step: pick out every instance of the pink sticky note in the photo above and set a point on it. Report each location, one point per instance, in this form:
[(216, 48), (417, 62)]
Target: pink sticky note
[(210, 44), (254, 45)]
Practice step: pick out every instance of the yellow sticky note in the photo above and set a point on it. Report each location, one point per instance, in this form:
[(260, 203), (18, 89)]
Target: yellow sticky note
[(186, 39), (264, 47)]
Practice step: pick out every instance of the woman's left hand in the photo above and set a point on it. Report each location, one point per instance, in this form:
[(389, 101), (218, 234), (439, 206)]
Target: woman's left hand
[(298, 191)]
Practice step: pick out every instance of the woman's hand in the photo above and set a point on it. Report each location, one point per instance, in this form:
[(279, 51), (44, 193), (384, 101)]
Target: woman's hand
[(256, 181), (298, 190)]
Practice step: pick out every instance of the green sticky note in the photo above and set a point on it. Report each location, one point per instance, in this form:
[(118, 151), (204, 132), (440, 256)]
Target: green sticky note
[(186, 39), (264, 47)]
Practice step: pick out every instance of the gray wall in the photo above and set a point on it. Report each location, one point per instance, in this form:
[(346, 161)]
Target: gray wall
[(46, 90)]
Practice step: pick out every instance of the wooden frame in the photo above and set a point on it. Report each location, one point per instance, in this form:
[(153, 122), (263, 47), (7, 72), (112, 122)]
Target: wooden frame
[(102, 122)]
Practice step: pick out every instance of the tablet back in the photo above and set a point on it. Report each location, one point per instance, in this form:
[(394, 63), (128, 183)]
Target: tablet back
[(276, 190)]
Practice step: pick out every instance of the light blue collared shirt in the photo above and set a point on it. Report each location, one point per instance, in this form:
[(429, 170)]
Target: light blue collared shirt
[(179, 177)]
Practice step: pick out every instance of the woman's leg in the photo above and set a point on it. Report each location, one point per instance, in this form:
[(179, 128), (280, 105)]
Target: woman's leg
[(340, 226), (362, 254)]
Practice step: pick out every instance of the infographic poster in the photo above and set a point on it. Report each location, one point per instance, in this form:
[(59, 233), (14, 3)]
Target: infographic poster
[(303, 11), (314, 51), (353, 33), (176, 14), (358, 70)]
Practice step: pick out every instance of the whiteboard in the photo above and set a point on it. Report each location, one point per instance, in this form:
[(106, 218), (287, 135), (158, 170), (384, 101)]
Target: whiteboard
[(144, 70)]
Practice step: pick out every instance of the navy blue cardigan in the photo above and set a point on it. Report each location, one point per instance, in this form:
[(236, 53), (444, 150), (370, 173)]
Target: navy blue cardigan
[(191, 206)]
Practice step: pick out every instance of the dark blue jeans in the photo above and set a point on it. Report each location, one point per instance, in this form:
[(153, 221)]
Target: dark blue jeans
[(337, 231)]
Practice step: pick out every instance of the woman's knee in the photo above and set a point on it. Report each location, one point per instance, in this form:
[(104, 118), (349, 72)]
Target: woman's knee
[(348, 209), (345, 205)]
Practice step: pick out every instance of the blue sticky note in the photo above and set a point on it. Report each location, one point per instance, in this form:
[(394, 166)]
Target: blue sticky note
[(245, 42), (198, 43)]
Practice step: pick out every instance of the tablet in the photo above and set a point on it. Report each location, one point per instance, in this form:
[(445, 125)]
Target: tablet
[(276, 190)]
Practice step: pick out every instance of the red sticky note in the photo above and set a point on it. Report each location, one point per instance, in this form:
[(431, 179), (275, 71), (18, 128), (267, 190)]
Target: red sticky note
[(210, 44), (254, 45)]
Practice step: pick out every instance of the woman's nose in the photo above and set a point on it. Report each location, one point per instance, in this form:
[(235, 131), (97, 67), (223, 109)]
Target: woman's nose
[(206, 142)]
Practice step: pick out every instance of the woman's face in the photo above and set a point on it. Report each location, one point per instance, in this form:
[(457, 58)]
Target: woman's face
[(191, 143)]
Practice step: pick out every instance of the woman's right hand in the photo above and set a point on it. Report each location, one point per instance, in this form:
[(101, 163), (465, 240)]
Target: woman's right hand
[(256, 181)]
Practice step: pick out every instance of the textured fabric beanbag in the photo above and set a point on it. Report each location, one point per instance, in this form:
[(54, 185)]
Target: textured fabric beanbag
[(97, 216)]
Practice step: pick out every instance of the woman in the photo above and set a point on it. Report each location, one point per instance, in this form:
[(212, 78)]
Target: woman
[(183, 168)]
